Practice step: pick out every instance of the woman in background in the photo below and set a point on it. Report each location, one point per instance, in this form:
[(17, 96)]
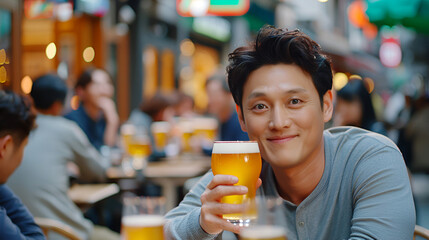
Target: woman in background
[(354, 108)]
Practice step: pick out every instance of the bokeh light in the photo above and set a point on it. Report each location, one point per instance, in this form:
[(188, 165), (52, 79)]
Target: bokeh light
[(74, 102), (88, 54), (340, 80), (187, 47), (2, 56), (370, 84), (355, 76), (3, 74), (26, 84), (323, 1), (51, 50)]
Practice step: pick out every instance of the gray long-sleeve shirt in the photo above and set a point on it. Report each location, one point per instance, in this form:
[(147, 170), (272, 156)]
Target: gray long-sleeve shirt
[(364, 193), (42, 180)]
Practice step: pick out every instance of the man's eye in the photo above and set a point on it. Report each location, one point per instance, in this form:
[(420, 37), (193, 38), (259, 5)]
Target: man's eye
[(260, 106), (295, 101)]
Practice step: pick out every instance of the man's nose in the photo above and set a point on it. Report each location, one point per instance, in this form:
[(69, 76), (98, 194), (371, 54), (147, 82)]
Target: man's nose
[(280, 118)]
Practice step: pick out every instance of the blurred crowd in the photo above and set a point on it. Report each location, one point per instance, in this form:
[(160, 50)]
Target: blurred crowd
[(80, 145)]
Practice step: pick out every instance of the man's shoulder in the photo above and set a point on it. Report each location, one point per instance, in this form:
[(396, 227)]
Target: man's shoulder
[(59, 123), (356, 136)]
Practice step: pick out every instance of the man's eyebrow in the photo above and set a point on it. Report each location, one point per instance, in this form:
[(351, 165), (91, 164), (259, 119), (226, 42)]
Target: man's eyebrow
[(262, 94)]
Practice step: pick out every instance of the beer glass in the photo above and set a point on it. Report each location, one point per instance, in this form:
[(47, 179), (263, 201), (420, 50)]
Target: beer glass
[(136, 144), (160, 131), (142, 218), (243, 160), (205, 128), (270, 223), (186, 131)]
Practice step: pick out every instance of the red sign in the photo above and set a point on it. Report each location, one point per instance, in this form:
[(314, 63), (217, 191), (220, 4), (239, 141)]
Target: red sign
[(390, 52), (198, 8)]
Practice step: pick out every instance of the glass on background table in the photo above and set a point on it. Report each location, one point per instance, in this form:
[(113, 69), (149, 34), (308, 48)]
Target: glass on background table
[(269, 223), (143, 218)]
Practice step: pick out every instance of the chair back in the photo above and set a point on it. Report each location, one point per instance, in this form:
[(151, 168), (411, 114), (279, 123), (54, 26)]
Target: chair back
[(50, 225), (421, 232)]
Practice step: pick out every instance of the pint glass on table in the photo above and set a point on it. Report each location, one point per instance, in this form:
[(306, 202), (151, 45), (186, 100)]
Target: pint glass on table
[(243, 160), (160, 131), (263, 232), (143, 219)]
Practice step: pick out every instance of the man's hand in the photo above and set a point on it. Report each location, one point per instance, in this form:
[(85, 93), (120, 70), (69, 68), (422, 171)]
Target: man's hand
[(107, 105), (212, 209)]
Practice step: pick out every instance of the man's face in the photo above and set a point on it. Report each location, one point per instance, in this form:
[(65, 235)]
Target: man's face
[(282, 111), (11, 158), (218, 99)]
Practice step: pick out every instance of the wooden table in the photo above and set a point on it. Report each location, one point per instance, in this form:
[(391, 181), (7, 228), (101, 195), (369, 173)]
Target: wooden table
[(85, 195), (169, 173), (172, 173)]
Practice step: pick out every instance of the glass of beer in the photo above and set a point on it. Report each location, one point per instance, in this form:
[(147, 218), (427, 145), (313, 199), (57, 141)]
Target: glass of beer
[(142, 218), (205, 127), (139, 148), (270, 223), (160, 131), (243, 160)]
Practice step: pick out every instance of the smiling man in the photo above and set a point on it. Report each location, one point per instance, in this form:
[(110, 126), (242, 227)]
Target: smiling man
[(340, 183)]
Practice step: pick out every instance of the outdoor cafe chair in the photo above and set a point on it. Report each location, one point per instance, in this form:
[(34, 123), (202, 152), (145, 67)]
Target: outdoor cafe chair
[(50, 225)]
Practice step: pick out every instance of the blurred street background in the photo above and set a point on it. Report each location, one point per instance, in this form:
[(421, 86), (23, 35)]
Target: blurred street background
[(165, 45)]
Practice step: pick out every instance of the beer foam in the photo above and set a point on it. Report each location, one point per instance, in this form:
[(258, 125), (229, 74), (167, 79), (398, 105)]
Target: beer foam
[(143, 221), (263, 232), (160, 126), (235, 147)]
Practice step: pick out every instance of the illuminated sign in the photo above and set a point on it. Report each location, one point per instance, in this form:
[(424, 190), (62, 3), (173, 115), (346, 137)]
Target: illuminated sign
[(198, 8), (390, 52)]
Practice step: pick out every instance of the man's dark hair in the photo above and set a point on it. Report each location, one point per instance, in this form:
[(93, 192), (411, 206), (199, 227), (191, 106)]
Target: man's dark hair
[(16, 117), (275, 46), (48, 89)]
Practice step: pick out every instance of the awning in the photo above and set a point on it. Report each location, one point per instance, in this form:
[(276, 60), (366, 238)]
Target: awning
[(409, 13)]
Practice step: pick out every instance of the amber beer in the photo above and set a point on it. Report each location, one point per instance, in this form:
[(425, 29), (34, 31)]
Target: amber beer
[(160, 132), (263, 232), (206, 128), (139, 148), (142, 227), (243, 160)]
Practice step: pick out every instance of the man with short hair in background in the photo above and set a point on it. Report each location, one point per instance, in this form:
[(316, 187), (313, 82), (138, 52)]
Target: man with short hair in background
[(42, 181), (16, 122)]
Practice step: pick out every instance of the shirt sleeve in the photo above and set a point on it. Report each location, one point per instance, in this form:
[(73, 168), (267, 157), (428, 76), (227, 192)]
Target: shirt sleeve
[(16, 222), (383, 206), (183, 221), (91, 164)]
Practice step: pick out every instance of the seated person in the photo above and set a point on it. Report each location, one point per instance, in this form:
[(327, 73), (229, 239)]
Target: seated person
[(354, 108), (159, 107), (96, 115), (42, 181), (340, 183), (16, 121), (220, 105)]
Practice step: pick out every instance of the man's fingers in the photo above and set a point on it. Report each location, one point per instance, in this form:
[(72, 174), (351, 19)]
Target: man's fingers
[(222, 180), (258, 183), (220, 191)]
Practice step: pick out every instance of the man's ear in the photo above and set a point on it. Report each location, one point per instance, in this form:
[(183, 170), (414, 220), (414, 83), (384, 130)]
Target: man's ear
[(328, 106), (6, 143), (241, 118)]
